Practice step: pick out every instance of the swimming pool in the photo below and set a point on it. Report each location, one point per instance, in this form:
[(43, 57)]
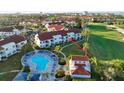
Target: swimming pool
[(40, 61)]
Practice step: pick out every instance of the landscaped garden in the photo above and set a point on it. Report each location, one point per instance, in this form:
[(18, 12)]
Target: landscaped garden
[(106, 45), (108, 48)]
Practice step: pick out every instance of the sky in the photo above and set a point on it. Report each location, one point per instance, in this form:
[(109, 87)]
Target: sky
[(10, 6)]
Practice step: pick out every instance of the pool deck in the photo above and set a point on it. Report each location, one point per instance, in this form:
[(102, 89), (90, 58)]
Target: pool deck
[(50, 67)]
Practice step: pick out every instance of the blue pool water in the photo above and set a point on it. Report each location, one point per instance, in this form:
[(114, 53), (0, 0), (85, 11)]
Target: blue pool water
[(40, 61)]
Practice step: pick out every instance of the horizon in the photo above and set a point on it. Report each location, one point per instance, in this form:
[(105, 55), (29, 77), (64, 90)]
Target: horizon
[(26, 12), (59, 6)]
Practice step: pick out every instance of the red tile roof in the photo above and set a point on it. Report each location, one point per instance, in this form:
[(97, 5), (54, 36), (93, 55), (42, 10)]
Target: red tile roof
[(80, 71), (86, 17), (7, 29), (48, 35), (56, 27), (80, 58), (14, 38)]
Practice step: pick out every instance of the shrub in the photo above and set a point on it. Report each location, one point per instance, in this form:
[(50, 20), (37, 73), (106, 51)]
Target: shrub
[(68, 78), (62, 61), (60, 73), (108, 70), (26, 69)]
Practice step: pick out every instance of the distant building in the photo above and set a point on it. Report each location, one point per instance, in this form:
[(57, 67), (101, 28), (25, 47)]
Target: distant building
[(19, 29), (79, 67), (103, 19), (9, 31), (11, 45), (48, 39), (54, 27)]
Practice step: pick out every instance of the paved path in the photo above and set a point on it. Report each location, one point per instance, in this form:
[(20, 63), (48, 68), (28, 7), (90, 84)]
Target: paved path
[(12, 71), (60, 51), (117, 28), (69, 45)]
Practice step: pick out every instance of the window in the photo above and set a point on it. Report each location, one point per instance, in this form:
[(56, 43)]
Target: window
[(9, 54), (46, 41), (22, 43), (43, 41), (14, 51), (1, 52)]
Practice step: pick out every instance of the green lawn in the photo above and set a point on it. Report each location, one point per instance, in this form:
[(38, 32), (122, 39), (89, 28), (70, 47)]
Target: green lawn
[(106, 44), (73, 50), (13, 63), (8, 76), (121, 26)]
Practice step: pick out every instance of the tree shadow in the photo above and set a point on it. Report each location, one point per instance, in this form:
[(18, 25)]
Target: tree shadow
[(100, 28)]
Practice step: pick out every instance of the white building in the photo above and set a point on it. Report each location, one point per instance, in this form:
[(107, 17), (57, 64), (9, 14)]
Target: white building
[(11, 45), (48, 39), (19, 29), (5, 32), (9, 31), (79, 67)]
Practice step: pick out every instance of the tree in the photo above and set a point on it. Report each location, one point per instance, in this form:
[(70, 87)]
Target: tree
[(93, 60), (62, 61), (85, 47), (26, 69), (57, 48), (86, 34), (83, 24), (28, 77), (109, 70), (68, 78), (42, 28), (78, 21), (60, 73)]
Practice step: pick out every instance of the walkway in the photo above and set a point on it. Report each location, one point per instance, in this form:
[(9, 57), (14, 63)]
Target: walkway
[(117, 28), (60, 51), (12, 71)]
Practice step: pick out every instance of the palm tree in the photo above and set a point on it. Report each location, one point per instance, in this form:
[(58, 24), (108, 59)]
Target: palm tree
[(86, 47), (86, 34), (78, 22), (83, 24), (57, 48), (93, 60), (28, 77)]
